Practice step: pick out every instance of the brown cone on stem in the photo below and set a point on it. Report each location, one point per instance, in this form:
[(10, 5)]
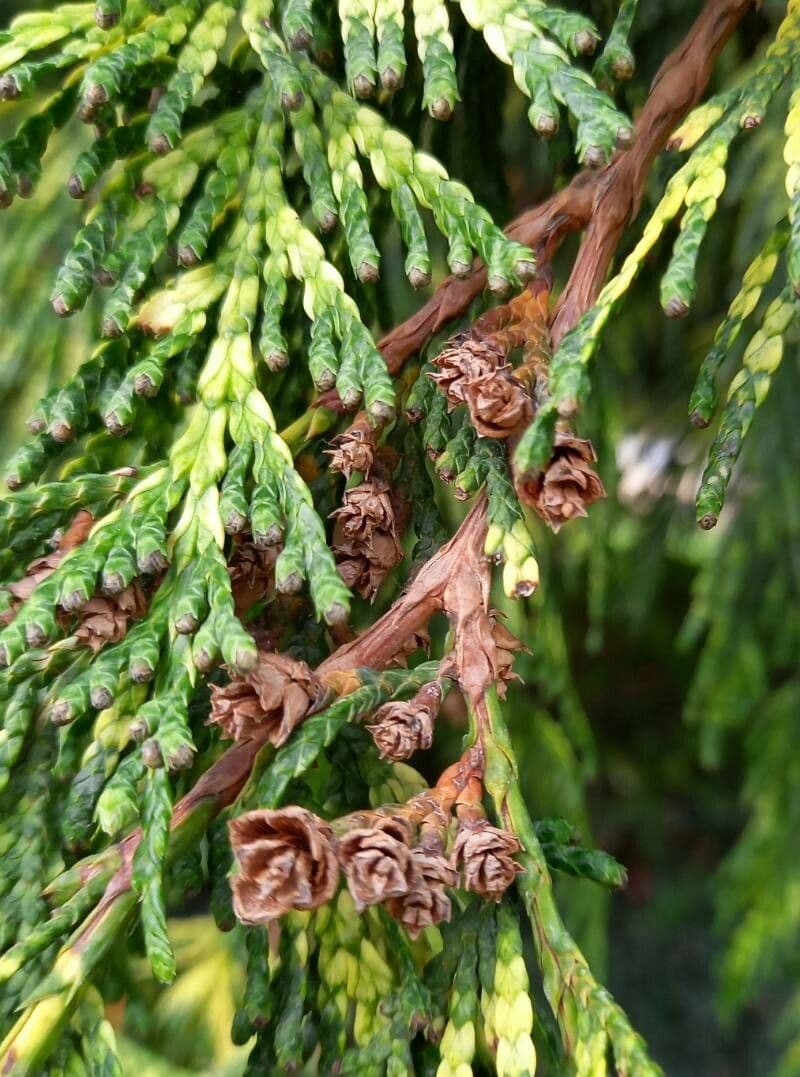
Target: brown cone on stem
[(354, 449), (498, 403), (376, 860), (463, 360), (286, 860), (252, 573), (400, 729), (274, 697), (427, 902), (567, 485), (106, 618), (484, 855), (366, 536)]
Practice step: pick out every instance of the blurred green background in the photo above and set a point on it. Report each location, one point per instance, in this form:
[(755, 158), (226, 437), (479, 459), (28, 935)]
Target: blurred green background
[(660, 710)]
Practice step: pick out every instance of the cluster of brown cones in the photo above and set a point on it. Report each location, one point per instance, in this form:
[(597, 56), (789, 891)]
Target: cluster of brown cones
[(291, 859), (473, 370)]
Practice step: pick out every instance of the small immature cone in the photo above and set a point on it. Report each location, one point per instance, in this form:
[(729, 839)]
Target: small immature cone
[(498, 403), (286, 860), (377, 862), (464, 360), (274, 697), (105, 618), (567, 485), (400, 729), (484, 854), (252, 573), (427, 902), (365, 536), (354, 449)]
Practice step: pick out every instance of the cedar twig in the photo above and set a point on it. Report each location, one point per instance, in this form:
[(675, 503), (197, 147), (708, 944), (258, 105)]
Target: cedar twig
[(601, 201), (605, 199)]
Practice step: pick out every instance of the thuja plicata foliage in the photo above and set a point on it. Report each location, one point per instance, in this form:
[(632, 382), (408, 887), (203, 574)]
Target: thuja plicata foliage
[(229, 537)]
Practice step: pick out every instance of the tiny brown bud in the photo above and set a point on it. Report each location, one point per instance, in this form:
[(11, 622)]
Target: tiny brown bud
[(363, 86), (138, 730), (140, 672), (101, 697), (60, 713), (441, 109), (418, 278), (181, 758), (151, 754), (368, 273), (594, 157), (159, 145), (75, 188), (292, 101)]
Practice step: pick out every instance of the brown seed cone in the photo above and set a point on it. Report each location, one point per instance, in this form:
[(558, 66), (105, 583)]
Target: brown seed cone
[(105, 618), (484, 855), (276, 694), (365, 536), (252, 573), (463, 360), (498, 403), (354, 449), (286, 861), (38, 570), (376, 860), (400, 729), (367, 510), (567, 485), (427, 903)]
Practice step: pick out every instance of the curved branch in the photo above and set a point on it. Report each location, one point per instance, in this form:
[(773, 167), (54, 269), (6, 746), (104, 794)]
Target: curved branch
[(601, 201)]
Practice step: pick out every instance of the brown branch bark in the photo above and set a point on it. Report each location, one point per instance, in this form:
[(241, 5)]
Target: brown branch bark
[(618, 189), (601, 201)]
